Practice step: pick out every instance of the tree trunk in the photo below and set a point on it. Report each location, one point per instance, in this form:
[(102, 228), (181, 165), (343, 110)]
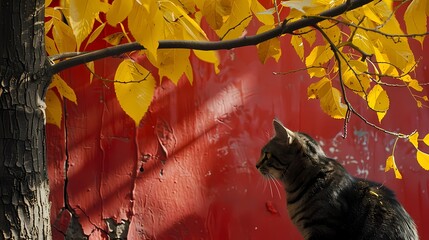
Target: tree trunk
[(24, 188)]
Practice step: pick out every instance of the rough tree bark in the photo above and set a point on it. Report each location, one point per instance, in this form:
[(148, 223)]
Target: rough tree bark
[(24, 188)]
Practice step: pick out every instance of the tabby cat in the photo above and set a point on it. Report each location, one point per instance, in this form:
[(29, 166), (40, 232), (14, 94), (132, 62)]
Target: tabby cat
[(323, 200)]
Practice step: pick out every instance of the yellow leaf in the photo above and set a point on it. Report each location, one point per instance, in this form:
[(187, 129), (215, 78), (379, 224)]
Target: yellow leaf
[(54, 110), (54, 13), (114, 38), (358, 83), (331, 29), (307, 7), (48, 25), (269, 48), (358, 66), (134, 87), (297, 44), (423, 159), (378, 99), (413, 139), (210, 57), (380, 115), (390, 164), (215, 11), (175, 13), (330, 98), (95, 34), (426, 139), (91, 67), (415, 18), (397, 52), (308, 34), (419, 104), (318, 56), (236, 23), (362, 41), (48, 2), (63, 37), (82, 17), (144, 19), (415, 85), (119, 11), (172, 63), (316, 72), (383, 63), (189, 74), (63, 88), (260, 13), (51, 49)]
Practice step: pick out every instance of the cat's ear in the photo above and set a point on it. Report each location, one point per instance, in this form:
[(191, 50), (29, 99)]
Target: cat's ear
[(282, 132)]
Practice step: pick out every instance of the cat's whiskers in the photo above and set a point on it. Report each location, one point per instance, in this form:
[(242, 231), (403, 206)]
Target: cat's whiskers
[(278, 185), (269, 183)]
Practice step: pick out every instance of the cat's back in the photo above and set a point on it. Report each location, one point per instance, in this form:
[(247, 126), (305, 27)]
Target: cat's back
[(375, 213)]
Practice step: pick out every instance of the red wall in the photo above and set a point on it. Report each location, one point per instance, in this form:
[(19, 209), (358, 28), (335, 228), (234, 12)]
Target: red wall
[(198, 145)]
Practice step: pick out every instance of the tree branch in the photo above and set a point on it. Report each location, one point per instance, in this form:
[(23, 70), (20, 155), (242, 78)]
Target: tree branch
[(350, 109), (212, 45)]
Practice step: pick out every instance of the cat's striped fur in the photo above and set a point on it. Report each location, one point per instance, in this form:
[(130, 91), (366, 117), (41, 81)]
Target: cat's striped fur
[(326, 202)]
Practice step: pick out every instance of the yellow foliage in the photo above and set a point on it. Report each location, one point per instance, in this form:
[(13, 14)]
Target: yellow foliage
[(234, 25), (210, 57), (426, 139), (114, 38), (390, 164), (413, 139), (63, 36), (270, 48), (82, 15), (378, 99), (298, 45), (416, 18), (119, 10), (319, 55), (217, 12), (54, 109), (63, 88), (423, 159), (147, 18), (134, 87), (95, 34), (260, 13), (330, 98), (357, 83)]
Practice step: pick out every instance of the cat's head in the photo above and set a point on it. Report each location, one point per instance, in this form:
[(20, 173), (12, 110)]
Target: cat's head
[(285, 148)]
